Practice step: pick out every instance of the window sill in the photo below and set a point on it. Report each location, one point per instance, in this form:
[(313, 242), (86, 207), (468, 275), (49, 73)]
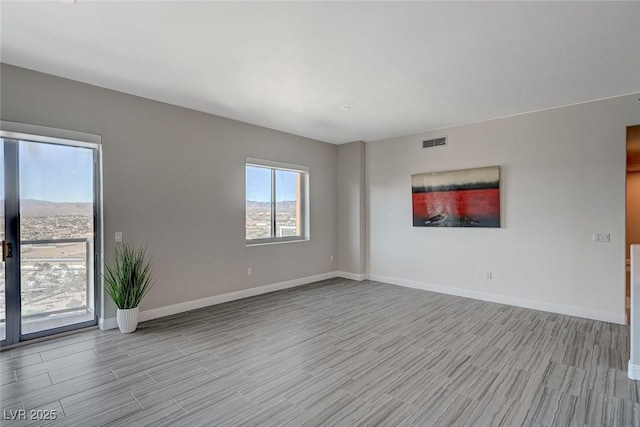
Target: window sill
[(277, 242)]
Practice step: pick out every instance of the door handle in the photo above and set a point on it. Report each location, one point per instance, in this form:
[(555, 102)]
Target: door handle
[(7, 250)]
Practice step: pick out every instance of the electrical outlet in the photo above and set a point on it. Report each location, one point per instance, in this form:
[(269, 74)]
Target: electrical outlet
[(118, 236), (602, 237), (331, 258), (488, 275), (249, 271)]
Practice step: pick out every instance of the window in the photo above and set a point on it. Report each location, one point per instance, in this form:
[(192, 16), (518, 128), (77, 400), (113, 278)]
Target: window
[(276, 202)]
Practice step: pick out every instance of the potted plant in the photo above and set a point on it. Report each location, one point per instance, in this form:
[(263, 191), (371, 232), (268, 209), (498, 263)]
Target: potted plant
[(127, 281)]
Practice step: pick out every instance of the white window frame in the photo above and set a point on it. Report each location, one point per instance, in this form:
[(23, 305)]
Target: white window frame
[(304, 204)]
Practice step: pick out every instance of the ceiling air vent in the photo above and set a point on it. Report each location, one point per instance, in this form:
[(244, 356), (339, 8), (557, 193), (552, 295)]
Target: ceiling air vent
[(436, 142)]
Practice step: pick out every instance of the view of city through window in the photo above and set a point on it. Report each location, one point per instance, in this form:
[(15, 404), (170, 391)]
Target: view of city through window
[(53, 274), (260, 198)]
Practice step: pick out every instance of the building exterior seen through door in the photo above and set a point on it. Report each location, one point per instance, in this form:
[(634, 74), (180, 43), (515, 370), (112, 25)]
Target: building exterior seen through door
[(50, 230)]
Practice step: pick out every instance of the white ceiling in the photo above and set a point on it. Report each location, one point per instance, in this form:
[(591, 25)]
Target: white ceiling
[(402, 67)]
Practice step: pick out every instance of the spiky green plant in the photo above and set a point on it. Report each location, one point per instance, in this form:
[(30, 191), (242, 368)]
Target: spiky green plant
[(128, 279)]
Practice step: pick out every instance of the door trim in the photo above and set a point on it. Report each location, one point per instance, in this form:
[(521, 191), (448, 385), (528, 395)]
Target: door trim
[(13, 304)]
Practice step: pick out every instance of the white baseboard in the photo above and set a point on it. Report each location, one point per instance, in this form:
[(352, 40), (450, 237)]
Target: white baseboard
[(107, 323), (231, 296), (506, 299), (352, 276), (111, 323), (633, 371)]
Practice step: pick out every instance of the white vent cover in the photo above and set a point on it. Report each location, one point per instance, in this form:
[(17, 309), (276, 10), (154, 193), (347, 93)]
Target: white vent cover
[(436, 142)]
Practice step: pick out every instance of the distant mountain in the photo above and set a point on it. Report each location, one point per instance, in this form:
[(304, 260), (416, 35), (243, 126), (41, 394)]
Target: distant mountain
[(286, 206), (31, 207)]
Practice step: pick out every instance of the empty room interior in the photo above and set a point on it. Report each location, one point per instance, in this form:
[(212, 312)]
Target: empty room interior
[(320, 213)]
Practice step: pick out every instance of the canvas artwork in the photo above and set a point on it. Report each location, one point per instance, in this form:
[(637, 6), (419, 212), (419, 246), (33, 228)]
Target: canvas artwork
[(462, 198)]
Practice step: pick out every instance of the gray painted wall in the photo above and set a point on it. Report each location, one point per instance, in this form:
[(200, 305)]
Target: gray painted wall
[(562, 179), (174, 180), (351, 207)]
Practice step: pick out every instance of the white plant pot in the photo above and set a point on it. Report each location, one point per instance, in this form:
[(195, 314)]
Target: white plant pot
[(127, 319)]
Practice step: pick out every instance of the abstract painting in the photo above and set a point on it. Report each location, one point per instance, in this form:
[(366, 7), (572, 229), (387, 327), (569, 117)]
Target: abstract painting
[(462, 198)]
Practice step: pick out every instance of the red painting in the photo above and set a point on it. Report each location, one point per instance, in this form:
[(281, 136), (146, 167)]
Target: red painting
[(464, 198)]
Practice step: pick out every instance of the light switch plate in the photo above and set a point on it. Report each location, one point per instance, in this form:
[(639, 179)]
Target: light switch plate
[(602, 237)]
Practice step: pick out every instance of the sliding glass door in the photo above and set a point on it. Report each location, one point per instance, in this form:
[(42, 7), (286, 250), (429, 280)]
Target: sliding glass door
[(50, 215)]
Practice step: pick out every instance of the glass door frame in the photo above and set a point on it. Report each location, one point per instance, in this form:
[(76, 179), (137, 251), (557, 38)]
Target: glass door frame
[(12, 133)]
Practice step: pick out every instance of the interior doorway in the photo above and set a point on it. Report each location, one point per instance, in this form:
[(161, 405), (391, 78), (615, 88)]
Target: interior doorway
[(632, 205)]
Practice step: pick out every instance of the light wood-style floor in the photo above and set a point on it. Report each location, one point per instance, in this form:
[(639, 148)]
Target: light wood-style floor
[(334, 353)]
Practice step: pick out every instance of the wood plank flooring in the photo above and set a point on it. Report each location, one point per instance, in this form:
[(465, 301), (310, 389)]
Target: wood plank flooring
[(336, 352)]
